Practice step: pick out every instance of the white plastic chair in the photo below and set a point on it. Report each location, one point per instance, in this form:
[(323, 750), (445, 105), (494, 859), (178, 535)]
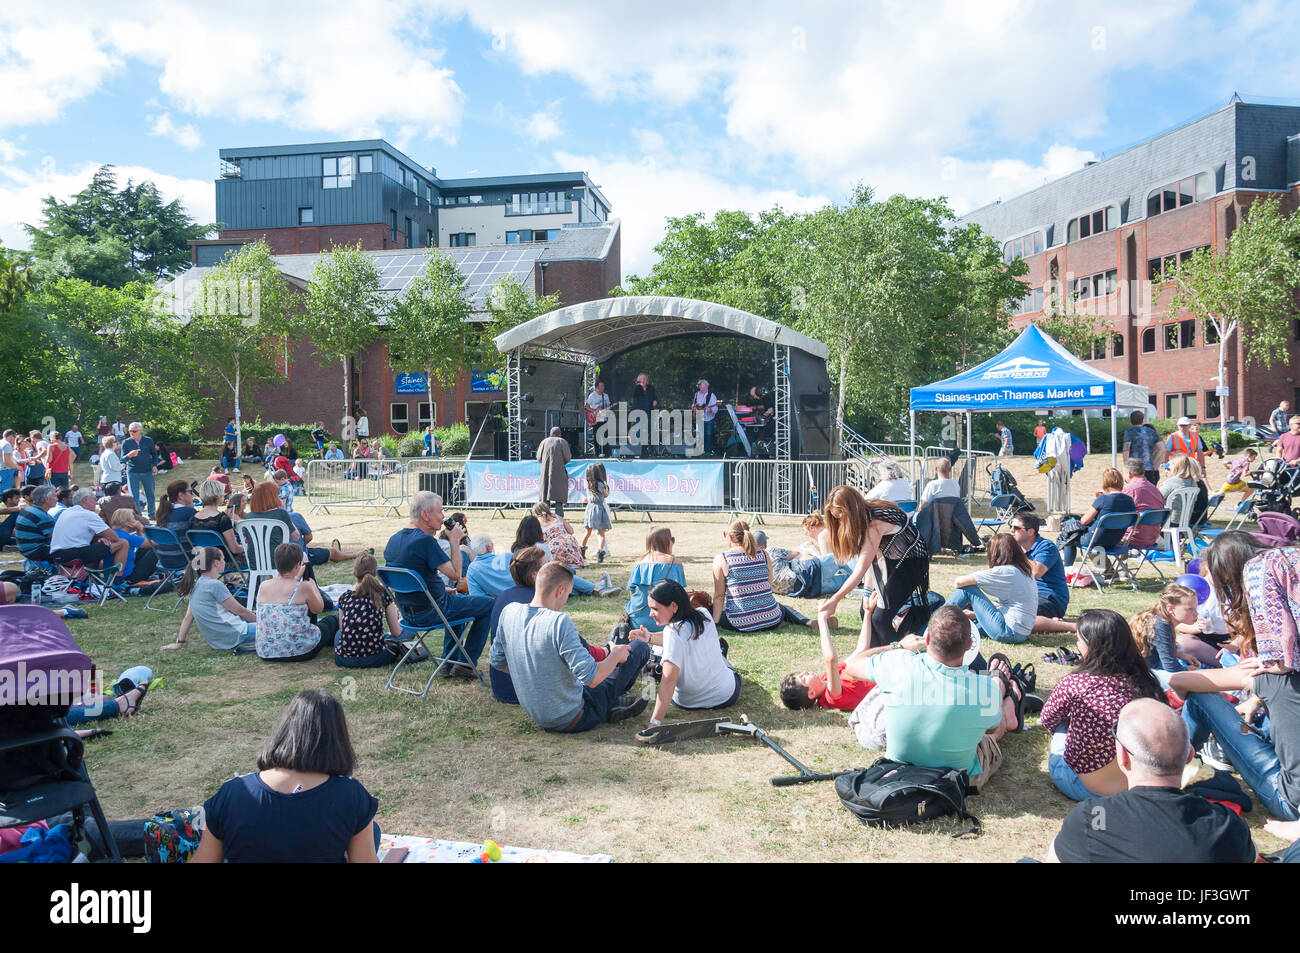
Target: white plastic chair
[(1181, 501), (259, 537)]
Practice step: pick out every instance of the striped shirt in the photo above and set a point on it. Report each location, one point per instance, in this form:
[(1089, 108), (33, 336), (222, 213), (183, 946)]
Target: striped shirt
[(750, 603), (32, 532)]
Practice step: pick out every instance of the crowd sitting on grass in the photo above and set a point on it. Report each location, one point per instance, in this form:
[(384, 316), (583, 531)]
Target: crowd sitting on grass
[(1148, 695)]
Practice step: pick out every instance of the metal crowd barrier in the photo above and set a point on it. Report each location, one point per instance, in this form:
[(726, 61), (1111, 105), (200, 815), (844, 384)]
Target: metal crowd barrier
[(386, 484)]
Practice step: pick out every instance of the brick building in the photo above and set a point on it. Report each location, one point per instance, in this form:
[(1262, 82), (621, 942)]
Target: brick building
[(550, 231), (1101, 234)]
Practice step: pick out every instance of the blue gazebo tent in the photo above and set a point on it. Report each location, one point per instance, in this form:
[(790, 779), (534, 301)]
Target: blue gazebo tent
[(1034, 373)]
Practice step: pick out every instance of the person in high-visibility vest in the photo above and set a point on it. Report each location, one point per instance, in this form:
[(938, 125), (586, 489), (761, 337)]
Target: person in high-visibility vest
[(1189, 444)]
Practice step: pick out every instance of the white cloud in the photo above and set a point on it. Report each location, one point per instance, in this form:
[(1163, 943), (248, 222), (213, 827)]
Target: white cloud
[(541, 127), (185, 136), (23, 190), (49, 57), (9, 151), (646, 191)]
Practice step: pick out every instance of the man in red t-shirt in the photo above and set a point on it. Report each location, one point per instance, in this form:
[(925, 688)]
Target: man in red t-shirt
[(1288, 445), (838, 687)]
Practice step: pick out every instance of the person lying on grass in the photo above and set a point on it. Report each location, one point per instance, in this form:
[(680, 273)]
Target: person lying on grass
[(302, 805), (558, 683), (840, 686)]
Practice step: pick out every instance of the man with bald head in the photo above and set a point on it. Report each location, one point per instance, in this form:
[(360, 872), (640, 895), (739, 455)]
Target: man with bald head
[(1154, 821)]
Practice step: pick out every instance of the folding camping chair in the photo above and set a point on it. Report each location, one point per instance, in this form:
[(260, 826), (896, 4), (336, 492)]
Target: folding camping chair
[(204, 538), (73, 570), (1149, 554), (1113, 555), (406, 583), (1005, 506), (259, 537), (42, 771), (1205, 535), (172, 560)]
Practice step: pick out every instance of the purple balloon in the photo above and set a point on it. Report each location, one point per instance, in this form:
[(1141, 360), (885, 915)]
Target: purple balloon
[(1197, 584), (279, 440), (1194, 567)]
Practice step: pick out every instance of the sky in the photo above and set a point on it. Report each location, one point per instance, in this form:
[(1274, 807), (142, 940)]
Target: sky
[(672, 108)]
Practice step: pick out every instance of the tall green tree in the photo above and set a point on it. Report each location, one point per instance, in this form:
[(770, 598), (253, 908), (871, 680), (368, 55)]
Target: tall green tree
[(111, 236), (342, 312), (1247, 290), (428, 329), (243, 307)]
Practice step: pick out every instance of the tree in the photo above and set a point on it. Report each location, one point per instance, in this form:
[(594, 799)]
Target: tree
[(428, 329), (15, 281), (509, 304), (112, 237), (1249, 289), (342, 312), (243, 305)]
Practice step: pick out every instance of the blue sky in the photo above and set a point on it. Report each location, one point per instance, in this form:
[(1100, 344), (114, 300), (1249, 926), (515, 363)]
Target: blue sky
[(672, 107)]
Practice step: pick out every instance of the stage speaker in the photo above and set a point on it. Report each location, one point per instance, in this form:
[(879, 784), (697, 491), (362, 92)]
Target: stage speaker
[(438, 482), (574, 437), (501, 445)]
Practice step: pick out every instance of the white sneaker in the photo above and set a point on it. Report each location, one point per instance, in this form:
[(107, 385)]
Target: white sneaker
[(1212, 753), (605, 581)]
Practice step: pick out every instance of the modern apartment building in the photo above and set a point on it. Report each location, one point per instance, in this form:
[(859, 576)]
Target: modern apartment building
[(551, 231), (1102, 235)]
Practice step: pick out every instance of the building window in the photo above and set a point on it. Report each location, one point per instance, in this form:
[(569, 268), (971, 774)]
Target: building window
[(537, 203), (305, 216), (423, 415), (1149, 341), (1094, 223), (1184, 192), (532, 235), (410, 235), (336, 172), (365, 163), (428, 238), (1211, 335), (1117, 345), (1180, 405), (397, 417), (1158, 268), (1031, 302), (1212, 408), (1098, 350), (463, 239), (1022, 247), (1180, 334), (392, 224)]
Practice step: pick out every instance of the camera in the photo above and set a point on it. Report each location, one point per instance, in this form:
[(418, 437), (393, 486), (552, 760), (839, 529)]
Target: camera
[(452, 520), (762, 391)]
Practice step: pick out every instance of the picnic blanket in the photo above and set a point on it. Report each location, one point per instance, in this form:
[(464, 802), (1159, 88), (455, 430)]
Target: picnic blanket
[(427, 850)]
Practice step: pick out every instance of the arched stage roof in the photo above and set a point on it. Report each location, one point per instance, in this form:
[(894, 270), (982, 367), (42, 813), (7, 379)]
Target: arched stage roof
[(605, 327)]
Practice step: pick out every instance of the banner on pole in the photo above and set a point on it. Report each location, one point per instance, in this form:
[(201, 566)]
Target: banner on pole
[(631, 483)]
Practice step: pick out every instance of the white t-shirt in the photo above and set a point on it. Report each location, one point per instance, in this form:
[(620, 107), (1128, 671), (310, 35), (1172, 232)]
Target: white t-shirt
[(74, 439), (704, 679), (363, 427), (6, 452), (1015, 592), (894, 491), (599, 403), (119, 430), (75, 527), (111, 464), (937, 488), (709, 404)]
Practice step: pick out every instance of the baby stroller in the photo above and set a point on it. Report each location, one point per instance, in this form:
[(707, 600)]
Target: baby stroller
[(1274, 484), (42, 774)]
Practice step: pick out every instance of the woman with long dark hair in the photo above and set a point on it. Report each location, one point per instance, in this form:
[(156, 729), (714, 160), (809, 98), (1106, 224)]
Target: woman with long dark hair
[(1259, 591), (1004, 597), (696, 674), (1084, 707), (302, 805), (882, 538)]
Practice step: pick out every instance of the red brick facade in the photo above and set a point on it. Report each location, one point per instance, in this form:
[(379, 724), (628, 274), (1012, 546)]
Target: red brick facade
[(1164, 371), (310, 239)]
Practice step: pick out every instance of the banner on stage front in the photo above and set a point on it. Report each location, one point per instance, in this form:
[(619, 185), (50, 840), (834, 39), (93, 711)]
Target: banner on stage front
[(631, 483)]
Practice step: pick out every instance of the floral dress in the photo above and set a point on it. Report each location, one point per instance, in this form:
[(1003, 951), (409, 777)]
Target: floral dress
[(564, 548), (285, 630)]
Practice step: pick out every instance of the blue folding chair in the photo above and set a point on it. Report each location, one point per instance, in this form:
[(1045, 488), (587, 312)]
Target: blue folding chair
[(1004, 506), (1114, 555), (1150, 554), (173, 560), (204, 538), (404, 582), (1205, 535)]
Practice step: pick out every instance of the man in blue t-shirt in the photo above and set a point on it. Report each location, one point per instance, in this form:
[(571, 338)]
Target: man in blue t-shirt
[(141, 464), (1049, 573), (416, 548), (1140, 442), (939, 713)]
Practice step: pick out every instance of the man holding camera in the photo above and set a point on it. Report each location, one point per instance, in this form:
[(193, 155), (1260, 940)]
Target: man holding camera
[(416, 548)]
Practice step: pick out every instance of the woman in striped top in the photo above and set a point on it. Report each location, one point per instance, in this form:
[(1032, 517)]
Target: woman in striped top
[(742, 586)]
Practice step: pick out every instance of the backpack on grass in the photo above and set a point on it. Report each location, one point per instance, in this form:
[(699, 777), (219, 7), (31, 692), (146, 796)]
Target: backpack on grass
[(171, 837), (893, 793)]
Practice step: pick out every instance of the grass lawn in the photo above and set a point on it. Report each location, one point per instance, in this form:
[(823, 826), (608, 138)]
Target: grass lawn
[(459, 765)]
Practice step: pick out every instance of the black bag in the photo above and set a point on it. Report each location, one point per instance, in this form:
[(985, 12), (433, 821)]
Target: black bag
[(891, 792), (1072, 530)]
